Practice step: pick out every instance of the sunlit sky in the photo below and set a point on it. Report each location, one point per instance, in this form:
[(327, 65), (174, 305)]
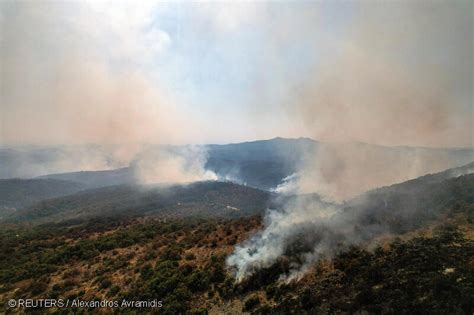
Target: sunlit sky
[(194, 72)]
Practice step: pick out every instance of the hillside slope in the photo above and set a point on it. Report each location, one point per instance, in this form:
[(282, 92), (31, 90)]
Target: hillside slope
[(217, 199), (405, 206), (19, 193), (95, 179)]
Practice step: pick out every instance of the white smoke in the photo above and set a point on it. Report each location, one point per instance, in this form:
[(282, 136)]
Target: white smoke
[(264, 248), (150, 164), (173, 165), (288, 185)]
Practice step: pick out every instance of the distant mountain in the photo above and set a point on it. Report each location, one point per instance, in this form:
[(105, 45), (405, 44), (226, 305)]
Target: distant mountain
[(20, 193), (203, 199), (261, 164), (263, 150)]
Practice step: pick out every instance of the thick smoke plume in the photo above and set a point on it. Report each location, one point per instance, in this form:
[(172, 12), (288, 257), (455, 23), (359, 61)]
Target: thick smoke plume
[(282, 227), (400, 78)]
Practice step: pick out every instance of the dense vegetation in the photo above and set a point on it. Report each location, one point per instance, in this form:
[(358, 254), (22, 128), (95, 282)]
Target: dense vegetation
[(170, 259), (182, 263)]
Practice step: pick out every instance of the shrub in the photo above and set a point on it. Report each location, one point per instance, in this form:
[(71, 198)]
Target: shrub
[(190, 256), (104, 284), (114, 290), (251, 303), (198, 281), (38, 287)]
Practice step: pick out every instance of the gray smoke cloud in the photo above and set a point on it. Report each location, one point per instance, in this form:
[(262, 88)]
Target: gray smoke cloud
[(402, 77)]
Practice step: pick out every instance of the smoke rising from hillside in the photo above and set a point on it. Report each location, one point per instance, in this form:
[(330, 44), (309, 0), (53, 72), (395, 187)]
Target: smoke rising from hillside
[(173, 165), (282, 227), (402, 77), (340, 171), (306, 229)]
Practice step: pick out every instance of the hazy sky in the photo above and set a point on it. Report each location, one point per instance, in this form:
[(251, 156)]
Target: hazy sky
[(181, 72)]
